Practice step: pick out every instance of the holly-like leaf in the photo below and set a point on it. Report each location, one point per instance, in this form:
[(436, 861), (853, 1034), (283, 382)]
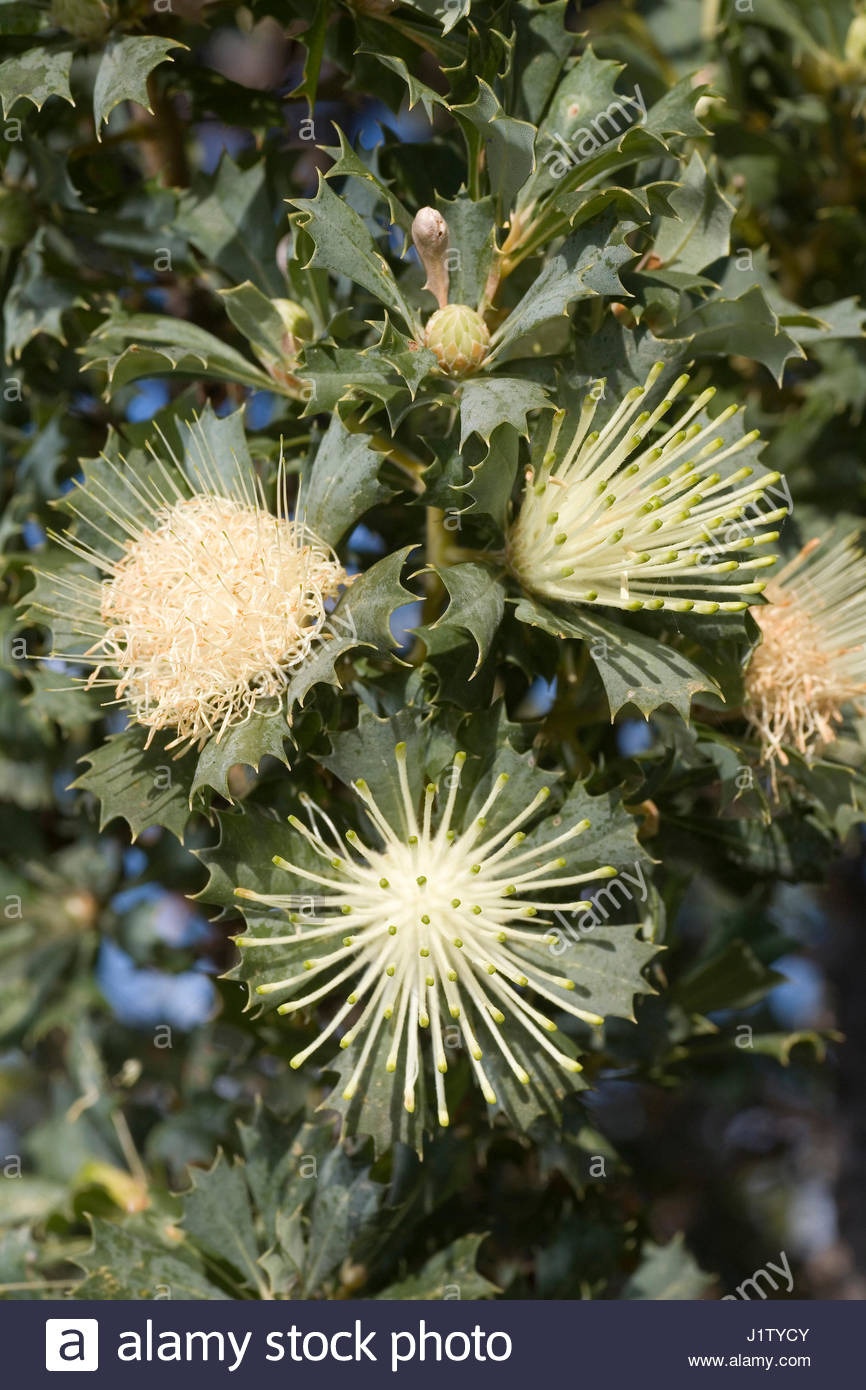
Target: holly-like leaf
[(123, 71), (263, 735), (451, 1272), (41, 292), (586, 264), (35, 75), (489, 402), (361, 619), (352, 164), (701, 231), (508, 143), (667, 1271), (341, 376), (130, 1260), (229, 217), (218, 1217), (129, 347), (472, 234), (342, 484), (747, 326), (344, 246), (313, 39), (254, 315), (635, 669), (142, 786), (477, 602)]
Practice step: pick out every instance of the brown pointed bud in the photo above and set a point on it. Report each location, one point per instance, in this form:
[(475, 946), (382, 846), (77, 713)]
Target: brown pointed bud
[(430, 235)]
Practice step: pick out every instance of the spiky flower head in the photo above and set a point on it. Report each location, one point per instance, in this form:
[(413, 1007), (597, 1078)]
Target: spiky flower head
[(431, 918), (628, 519), (204, 601), (812, 657), (459, 337)]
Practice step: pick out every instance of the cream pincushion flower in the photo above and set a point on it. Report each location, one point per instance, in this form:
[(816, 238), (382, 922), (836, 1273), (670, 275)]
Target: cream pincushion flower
[(618, 521), (812, 659), (424, 923), (207, 600)]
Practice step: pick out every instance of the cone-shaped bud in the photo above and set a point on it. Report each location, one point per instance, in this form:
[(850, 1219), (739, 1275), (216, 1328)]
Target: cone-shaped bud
[(459, 337)]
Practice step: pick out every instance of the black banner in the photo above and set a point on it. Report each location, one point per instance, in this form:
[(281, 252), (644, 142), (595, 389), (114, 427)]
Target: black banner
[(199, 1345)]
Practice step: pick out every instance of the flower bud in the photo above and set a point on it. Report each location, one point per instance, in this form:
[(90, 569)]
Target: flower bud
[(459, 337), (430, 235)]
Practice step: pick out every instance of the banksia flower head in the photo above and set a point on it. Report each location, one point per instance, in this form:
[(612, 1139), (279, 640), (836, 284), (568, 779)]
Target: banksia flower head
[(206, 600), (423, 921), (619, 521), (812, 659), (459, 337)]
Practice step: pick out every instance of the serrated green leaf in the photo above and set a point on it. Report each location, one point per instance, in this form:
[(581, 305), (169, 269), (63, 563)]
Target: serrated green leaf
[(344, 246), (263, 735), (477, 602), (129, 347), (218, 1217), (361, 619), (142, 787), (123, 71), (587, 264), (342, 484), (41, 292), (453, 1269), (129, 1261), (349, 163), (489, 402), (313, 40), (35, 75), (541, 40), (229, 216), (747, 326), (508, 143), (635, 669), (667, 1271), (341, 376), (254, 315), (472, 229), (701, 233)]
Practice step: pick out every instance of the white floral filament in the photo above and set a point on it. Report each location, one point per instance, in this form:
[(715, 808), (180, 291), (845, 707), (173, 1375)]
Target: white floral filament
[(205, 606), (812, 659), (442, 925), (628, 525)]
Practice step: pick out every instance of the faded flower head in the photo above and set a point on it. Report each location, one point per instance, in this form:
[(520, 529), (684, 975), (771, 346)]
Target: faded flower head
[(618, 521), (459, 337), (812, 659), (206, 600), (420, 922)]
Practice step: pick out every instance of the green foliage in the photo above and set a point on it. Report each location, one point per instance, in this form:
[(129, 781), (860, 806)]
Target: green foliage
[(649, 191)]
